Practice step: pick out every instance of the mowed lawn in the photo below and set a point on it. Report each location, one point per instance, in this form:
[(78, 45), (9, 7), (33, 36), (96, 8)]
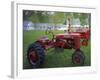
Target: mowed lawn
[(52, 59)]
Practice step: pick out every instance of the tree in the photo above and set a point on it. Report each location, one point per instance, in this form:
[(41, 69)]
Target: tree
[(26, 14), (56, 17), (85, 18)]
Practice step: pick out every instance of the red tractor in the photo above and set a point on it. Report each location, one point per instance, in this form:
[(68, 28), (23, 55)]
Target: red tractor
[(68, 40)]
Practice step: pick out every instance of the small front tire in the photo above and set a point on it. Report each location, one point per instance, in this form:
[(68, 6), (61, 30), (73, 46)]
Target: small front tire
[(78, 57)]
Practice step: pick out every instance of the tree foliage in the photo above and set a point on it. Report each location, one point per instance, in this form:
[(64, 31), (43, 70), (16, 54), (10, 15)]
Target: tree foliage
[(56, 17)]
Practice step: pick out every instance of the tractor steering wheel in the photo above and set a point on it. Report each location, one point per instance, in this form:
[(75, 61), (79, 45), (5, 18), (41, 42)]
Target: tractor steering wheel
[(49, 31)]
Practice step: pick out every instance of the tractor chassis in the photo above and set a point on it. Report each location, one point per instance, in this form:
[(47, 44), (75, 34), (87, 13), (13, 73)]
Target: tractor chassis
[(36, 51)]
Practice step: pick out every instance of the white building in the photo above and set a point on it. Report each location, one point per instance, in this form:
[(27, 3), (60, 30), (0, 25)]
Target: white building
[(28, 25)]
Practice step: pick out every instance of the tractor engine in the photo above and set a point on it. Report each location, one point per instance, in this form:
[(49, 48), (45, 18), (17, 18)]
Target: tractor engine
[(68, 41)]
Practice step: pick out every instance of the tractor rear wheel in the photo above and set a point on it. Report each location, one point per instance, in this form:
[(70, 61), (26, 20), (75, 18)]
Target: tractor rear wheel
[(35, 55), (78, 57)]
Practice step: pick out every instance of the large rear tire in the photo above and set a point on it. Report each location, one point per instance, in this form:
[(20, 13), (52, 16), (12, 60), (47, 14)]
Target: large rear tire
[(35, 55)]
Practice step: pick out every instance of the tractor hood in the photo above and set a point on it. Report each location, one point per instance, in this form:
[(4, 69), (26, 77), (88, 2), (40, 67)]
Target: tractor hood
[(67, 35)]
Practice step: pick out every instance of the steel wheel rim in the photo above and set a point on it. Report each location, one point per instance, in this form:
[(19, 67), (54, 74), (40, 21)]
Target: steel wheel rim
[(33, 57)]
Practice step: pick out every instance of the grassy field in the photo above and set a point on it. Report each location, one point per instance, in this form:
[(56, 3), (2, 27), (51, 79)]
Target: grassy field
[(52, 59)]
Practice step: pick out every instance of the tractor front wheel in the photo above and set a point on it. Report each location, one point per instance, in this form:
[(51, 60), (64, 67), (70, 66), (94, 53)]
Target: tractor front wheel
[(35, 55), (78, 57)]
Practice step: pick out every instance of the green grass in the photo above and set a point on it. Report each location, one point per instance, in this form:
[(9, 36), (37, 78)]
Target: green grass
[(52, 59)]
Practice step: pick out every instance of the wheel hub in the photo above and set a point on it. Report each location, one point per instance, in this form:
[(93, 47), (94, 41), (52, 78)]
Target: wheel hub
[(33, 56), (77, 59)]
